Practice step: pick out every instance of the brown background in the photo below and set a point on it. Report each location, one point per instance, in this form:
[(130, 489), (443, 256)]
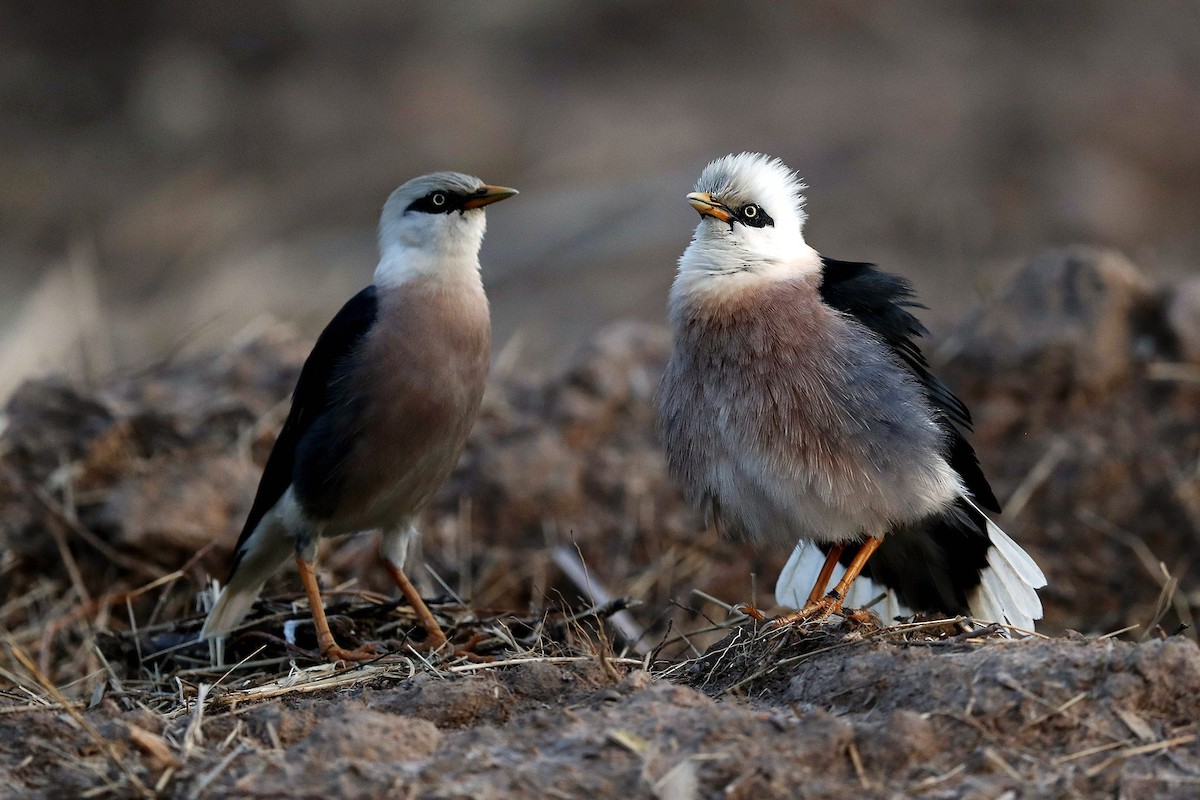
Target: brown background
[(198, 164)]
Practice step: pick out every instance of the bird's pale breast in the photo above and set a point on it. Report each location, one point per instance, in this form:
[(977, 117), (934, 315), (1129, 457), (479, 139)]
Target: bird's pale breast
[(793, 420), (423, 366)]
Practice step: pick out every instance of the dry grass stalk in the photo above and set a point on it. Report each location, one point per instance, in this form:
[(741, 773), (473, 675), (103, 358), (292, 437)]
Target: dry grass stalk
[(1154, 567), (1153, 747), (856, 761), (105, 745), (1038, 474), (570, 561)]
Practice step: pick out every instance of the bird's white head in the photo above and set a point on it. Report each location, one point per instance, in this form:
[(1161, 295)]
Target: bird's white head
[(751, 222), (433, 226)]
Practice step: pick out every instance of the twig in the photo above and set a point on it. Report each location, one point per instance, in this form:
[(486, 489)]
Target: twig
[(38, 707), (1054, 712), (193, 735), (296, 683), (934, 780), (606, 611), (1140, 750), (729, 609), (993, 755), (1119, 631), (1172, 372), (475, 667), (856, 760), (1090, 751), (72, 566), (1169, 586), (1036, 476)]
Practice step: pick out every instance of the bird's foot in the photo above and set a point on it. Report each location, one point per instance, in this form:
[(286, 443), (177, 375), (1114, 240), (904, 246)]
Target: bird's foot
[(862, 616), (467, 650), (816, 611), (335, 653), (438, 644), (433, 642)]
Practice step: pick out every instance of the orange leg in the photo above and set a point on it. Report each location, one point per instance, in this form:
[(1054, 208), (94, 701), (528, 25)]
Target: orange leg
[(831, 560), (856, 566), (821, 607), (325, 643), (435, 637)]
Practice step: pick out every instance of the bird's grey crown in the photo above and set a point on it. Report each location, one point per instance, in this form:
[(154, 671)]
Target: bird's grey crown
[(454, 182)]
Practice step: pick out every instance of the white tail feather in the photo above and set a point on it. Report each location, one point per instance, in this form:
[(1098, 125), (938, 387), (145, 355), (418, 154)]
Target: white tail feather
[(1025, 602), (1021, 562), (262, 555), (1007, 591)]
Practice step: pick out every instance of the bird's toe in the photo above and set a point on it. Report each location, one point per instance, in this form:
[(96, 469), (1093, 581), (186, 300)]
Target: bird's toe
[(335, 653), (817, 611)]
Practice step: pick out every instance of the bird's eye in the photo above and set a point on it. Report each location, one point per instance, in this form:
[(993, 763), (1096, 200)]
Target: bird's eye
[(753, 216), (438, 199)]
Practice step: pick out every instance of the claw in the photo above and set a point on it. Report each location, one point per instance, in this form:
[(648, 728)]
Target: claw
[(814, 611), (817, 609), (335, 653), (750, 611)]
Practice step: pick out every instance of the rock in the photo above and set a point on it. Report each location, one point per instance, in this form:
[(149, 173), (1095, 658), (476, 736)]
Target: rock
[(365, 734), (50, 422), (1067, 327), (448, 704), (172, 506)]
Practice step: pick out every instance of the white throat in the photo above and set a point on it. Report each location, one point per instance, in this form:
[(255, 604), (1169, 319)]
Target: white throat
[(723, 265), (399, 265), (440, 248)]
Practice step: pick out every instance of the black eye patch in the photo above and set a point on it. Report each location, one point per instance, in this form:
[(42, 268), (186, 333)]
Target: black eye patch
[(438, 201), (753, 216)]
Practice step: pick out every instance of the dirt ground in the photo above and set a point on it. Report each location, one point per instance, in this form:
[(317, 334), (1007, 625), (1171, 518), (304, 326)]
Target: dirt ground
[(841, 714), (563, 552)]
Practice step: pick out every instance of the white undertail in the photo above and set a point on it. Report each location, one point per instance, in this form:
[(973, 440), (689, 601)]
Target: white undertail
[(1007, 591), (264, 553)]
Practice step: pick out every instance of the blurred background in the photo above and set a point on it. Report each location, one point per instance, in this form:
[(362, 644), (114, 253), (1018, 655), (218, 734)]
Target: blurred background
[(171, 173)]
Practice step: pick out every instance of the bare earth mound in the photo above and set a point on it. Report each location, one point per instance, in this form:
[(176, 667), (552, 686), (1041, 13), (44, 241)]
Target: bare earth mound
[(117, 502)]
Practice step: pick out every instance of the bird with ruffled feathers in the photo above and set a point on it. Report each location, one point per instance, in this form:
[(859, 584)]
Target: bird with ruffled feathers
[(797, 409)]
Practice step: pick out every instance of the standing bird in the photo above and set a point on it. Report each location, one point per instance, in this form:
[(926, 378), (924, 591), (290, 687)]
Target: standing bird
[(382, 408), (797, 405)]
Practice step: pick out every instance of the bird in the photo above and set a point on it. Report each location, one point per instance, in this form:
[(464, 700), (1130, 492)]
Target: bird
[(797, 408), (381, 409)]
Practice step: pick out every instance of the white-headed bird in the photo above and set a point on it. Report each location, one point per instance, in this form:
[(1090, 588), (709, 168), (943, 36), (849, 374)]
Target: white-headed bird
[(797, 406), (382, 408)]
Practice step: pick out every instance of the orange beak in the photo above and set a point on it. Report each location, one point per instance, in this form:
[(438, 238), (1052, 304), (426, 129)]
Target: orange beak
[(486, 195), (708, 207)]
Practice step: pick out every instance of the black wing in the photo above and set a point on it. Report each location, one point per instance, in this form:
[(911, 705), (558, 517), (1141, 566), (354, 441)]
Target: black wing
[(312, 397), (880, 301)]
